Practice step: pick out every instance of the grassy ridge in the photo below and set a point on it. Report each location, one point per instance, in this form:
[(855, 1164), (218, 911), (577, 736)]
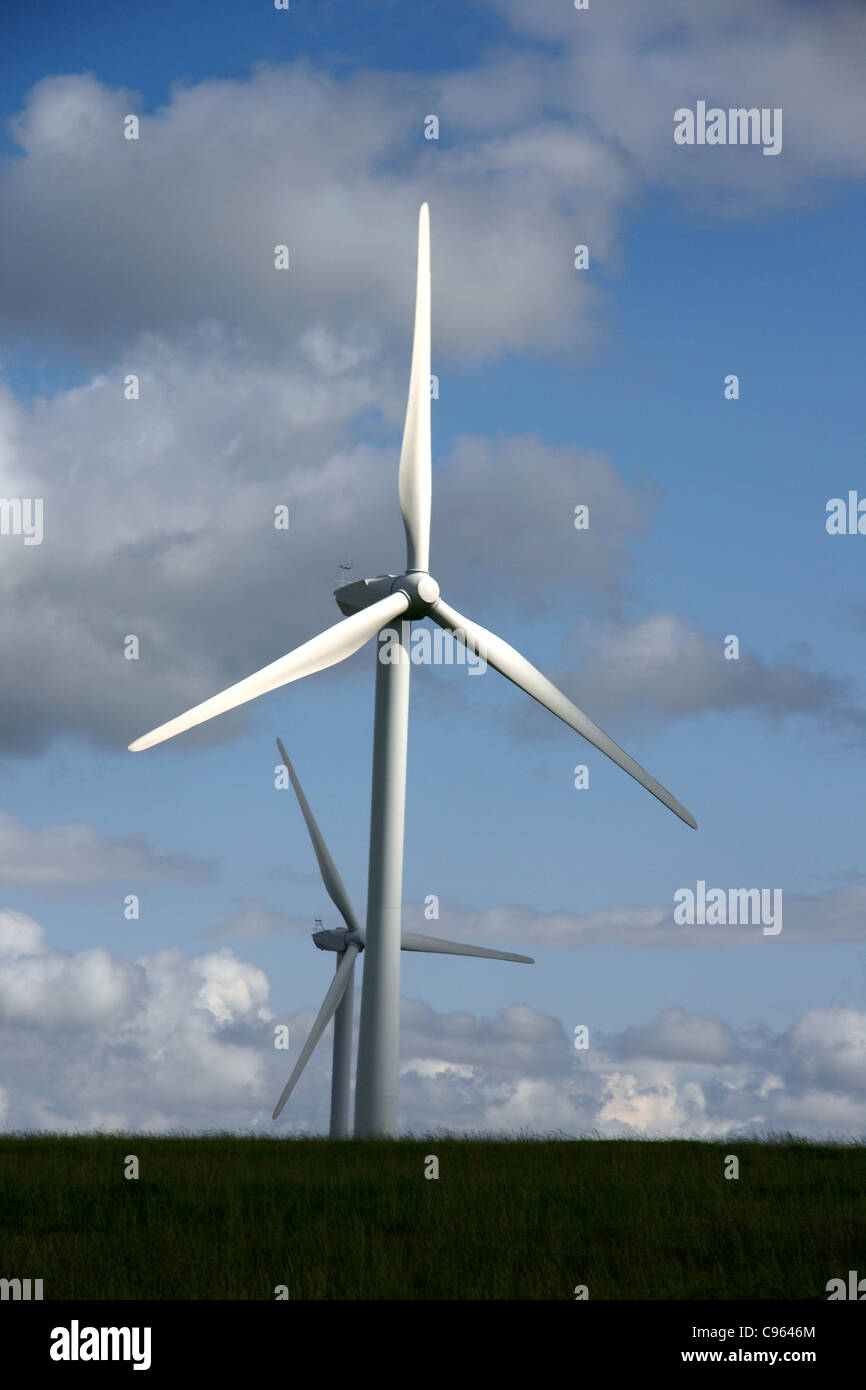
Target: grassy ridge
[(223, 1217)]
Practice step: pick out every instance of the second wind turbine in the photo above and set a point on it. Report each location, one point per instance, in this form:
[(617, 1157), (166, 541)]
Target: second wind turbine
[(347, 942)]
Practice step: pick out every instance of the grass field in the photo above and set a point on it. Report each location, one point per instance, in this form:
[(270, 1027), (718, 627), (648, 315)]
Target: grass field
[(223, 1217)]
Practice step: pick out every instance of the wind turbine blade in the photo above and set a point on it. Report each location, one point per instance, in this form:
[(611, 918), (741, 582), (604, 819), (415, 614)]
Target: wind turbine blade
[(326, 1013), (415, 481), (331, 878), (415, 941), (331, 646), (516, 668)]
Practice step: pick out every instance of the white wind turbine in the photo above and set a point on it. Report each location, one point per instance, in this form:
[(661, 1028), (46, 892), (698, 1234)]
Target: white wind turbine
[(371, 605), (348, 941)]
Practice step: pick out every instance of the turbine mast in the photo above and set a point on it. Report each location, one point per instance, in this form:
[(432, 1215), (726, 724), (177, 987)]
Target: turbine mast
[(341, 1058), (377, 1075)]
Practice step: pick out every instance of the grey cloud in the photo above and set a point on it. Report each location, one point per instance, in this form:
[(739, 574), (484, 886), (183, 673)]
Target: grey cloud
[(627, 68), (516, 1039), (678, 1036), (254, 921), (510, 509), (835, 914), (829, 1047), (664, 667), (77, 857)]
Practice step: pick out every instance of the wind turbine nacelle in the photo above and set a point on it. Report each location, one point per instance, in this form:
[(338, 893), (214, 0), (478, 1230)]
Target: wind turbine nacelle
[(419, 587), (351, 598), (337, 939)]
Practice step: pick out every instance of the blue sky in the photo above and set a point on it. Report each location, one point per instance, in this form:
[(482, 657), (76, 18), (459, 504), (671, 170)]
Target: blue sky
[(556, 386)]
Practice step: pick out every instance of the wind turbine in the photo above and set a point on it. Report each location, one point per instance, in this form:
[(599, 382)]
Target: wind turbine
[(347, 942), (370, 605)]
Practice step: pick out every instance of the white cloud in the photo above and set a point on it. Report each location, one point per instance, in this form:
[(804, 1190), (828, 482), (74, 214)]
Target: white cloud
[(231, 990), (535, 143), (681, 1075), (20, 935), (218, 179), (167, 1042), (159, 523), (164, 1042), (46, 989), (159, 512)]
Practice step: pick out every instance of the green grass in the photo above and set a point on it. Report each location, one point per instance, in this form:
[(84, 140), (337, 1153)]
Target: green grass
[(223, 1217)]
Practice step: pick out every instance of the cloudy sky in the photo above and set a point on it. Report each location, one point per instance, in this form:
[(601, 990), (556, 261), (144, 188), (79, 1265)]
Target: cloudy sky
[(602, 386)]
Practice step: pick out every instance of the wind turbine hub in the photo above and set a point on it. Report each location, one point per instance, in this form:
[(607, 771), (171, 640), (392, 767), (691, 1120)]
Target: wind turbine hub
[(421, 590)]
